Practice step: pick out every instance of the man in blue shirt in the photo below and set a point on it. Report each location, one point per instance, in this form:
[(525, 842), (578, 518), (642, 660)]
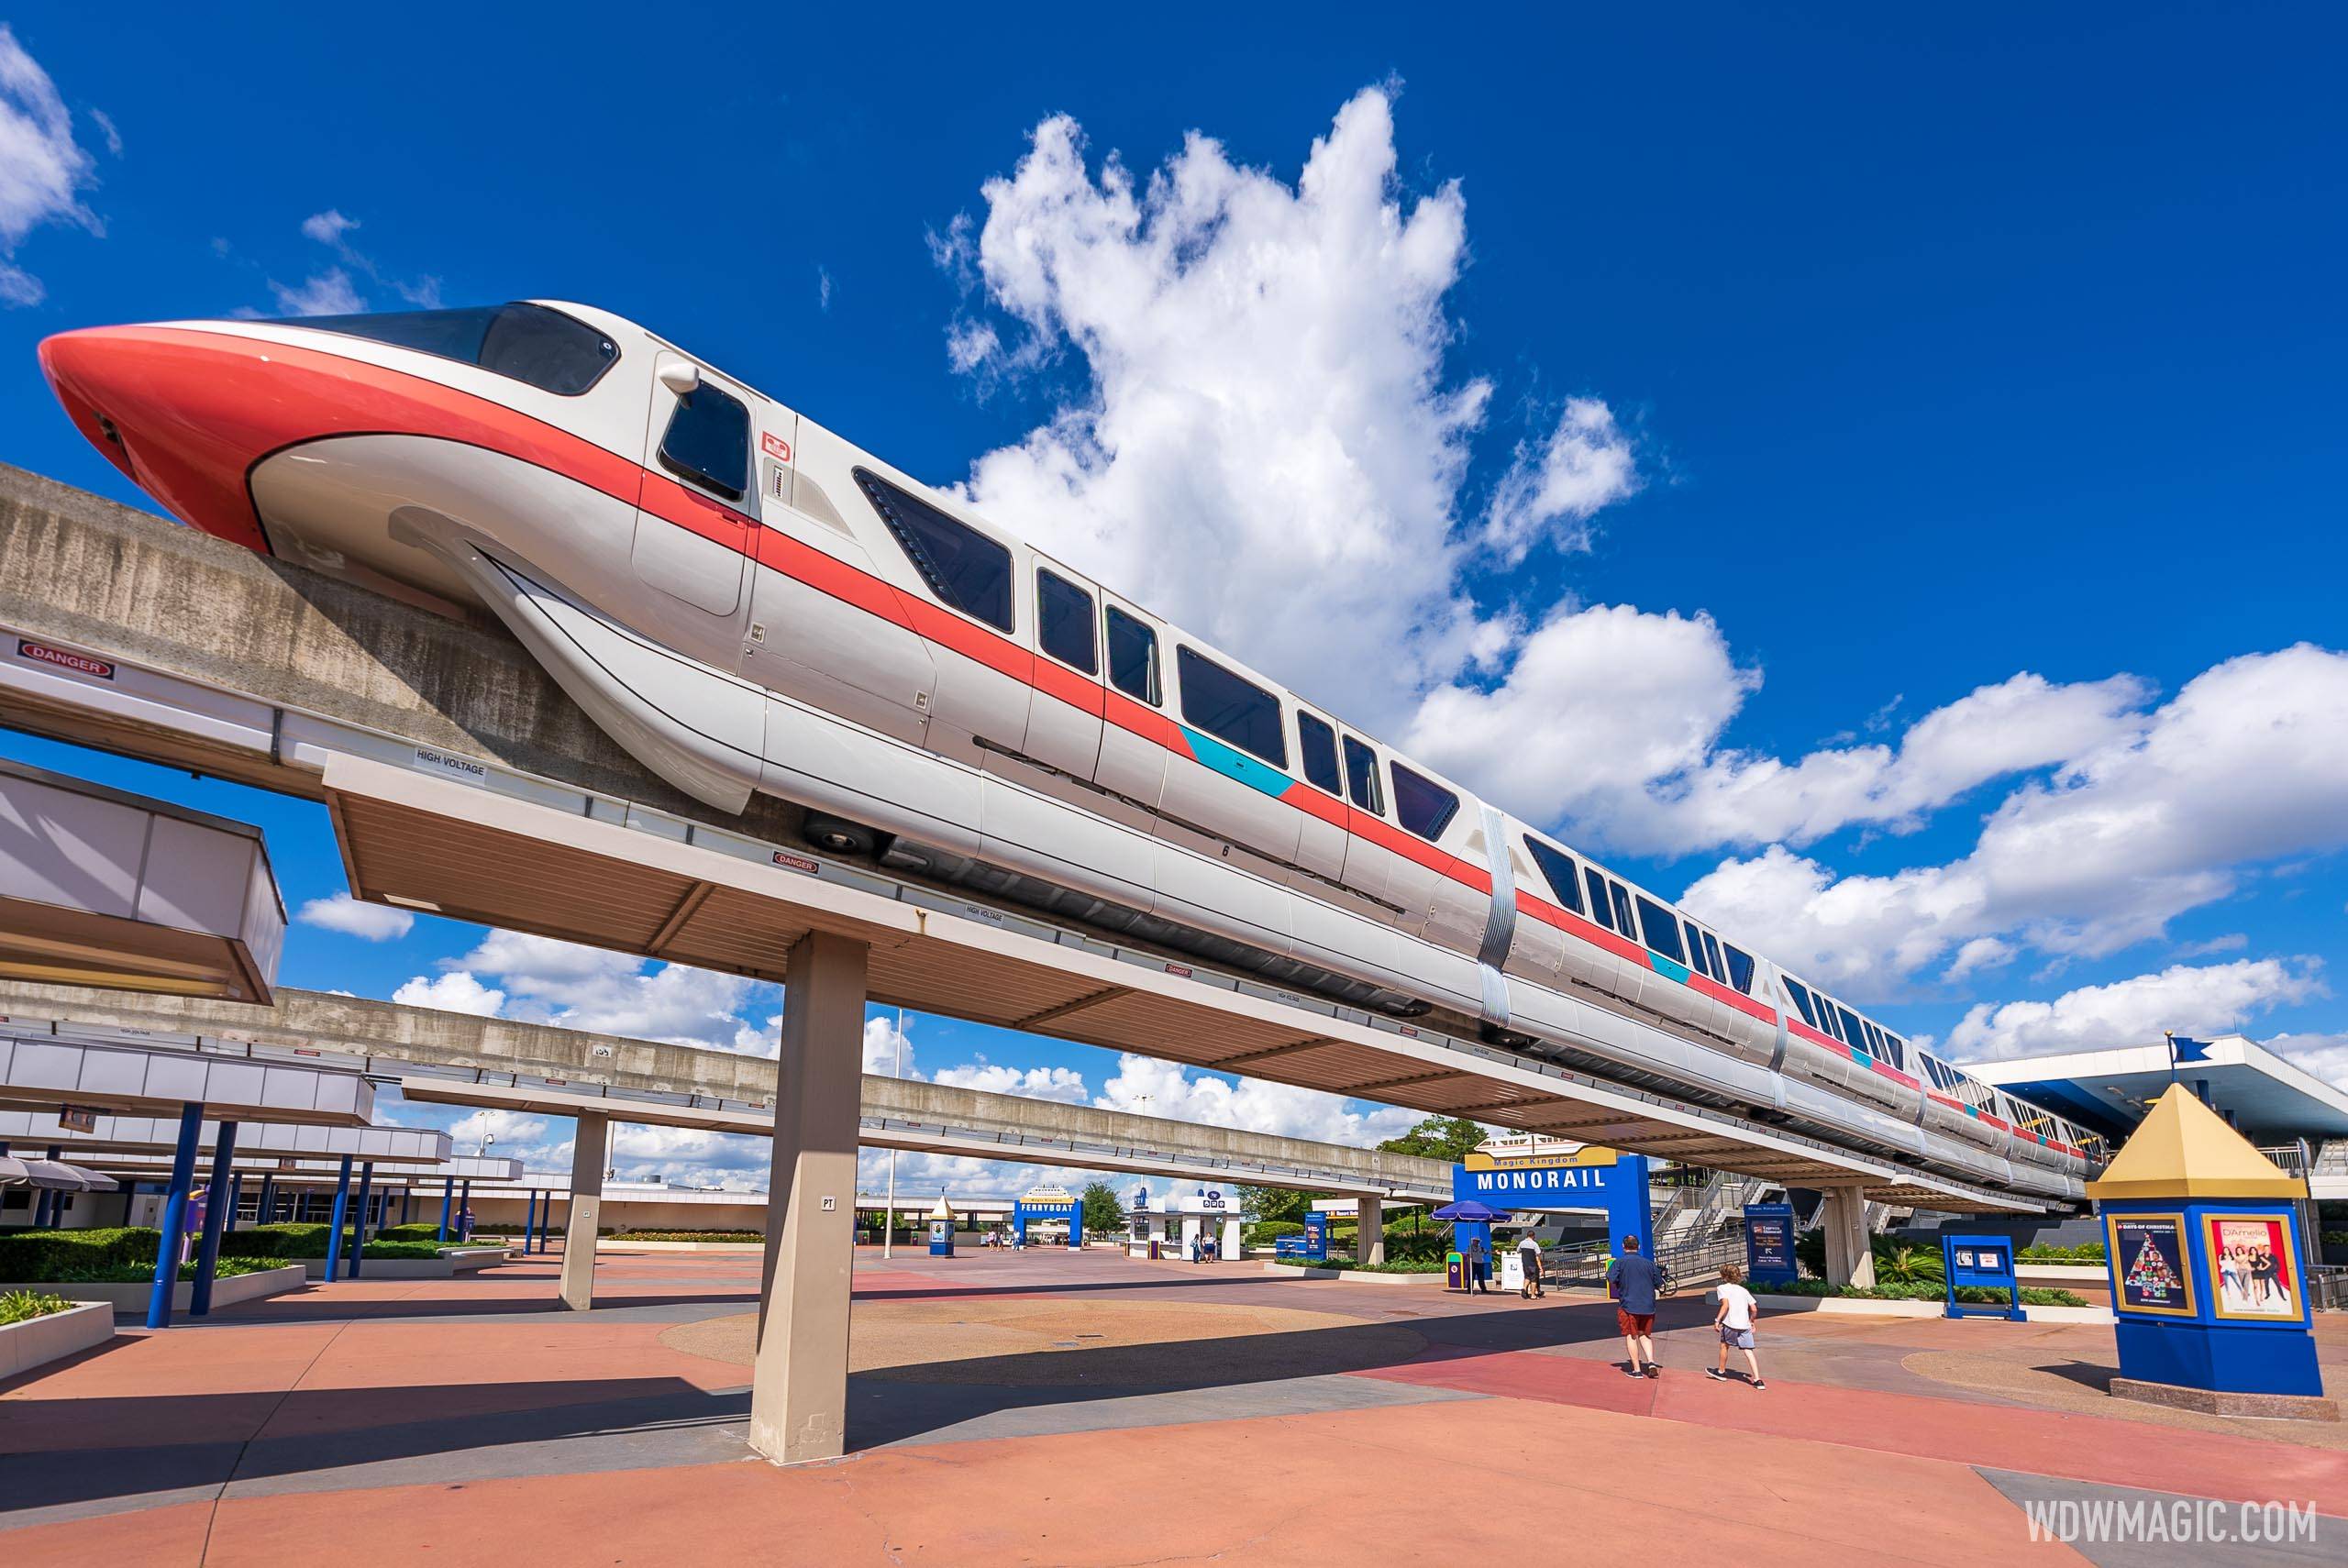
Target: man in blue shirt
[(1633, 1282)]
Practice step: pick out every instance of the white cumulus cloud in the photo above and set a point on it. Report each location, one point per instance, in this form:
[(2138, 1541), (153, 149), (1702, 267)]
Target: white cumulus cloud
[(2189, 999), (43, 168), (2168, 811), (1586, 464), (371, 922), (1265, 391), (456, 991)]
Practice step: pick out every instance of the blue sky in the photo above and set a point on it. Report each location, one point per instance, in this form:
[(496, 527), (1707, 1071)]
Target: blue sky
[(1881, 482)]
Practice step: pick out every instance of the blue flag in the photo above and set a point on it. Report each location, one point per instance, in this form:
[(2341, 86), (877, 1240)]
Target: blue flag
[(2181, 1049)]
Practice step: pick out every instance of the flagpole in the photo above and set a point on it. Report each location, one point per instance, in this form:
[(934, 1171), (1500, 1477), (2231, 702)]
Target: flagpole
[(889, 1219), (2170, 1036)]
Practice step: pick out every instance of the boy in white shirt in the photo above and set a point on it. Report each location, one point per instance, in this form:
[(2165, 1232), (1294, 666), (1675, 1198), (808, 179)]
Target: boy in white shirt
[(1734, 1321)]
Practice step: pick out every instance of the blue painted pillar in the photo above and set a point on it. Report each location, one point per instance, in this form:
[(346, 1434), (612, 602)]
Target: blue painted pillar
[(334, 1226), (1630, 1209), (167, 1250), (235, 1199), (529, 1224), (546, 1213), (268, 1198), (215, 1213), (48, 1209), (358, 1230), (447, 1196), (407, 1204)]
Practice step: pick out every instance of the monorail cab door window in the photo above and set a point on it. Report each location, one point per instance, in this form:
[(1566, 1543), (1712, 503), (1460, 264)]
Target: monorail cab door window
[(1137, 729), (696, 522), (1063, 720), (1370, 858), (1321, 832)]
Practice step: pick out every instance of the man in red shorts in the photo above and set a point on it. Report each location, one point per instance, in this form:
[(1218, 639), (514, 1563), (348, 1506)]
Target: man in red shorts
[(1631, 1281)]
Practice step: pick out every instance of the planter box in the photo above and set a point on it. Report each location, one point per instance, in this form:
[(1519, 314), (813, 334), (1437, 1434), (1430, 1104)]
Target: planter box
[(1850, 1306), (2069, 1314), (742, 1248), (1862, 1307), (2059, 1276), (448, 1265), (39, 1341), (132, 1299)]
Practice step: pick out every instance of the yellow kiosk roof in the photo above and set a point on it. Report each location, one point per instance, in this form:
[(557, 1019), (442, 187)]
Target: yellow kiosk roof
[(2184, 1149)]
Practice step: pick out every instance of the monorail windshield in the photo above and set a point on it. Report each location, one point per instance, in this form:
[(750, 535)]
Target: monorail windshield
[(528, 343)]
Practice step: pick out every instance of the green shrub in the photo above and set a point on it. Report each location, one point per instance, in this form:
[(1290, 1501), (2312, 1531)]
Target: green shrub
[(31, 1256), (2085, 1253), (416, 1232), (1264, 1233), (305, 1242), (24, 1306), (138, 1274)]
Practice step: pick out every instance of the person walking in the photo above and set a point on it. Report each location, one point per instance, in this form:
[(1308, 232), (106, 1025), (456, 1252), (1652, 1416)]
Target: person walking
[(1528, 1252), (1479, 1267), (1632, 1281), (1734, 1321)]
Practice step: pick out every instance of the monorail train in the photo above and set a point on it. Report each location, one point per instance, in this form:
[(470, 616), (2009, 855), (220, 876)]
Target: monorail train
[(746, 603)]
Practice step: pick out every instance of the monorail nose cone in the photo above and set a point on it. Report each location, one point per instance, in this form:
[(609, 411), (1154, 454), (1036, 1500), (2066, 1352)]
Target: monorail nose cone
[(86, 368), (162, 408)]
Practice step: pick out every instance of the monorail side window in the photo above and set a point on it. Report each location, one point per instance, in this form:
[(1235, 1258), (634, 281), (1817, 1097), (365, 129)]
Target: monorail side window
[(962, 566), (1695, 960), (1133, 658), (1361, 778), (1740, 968), (1851, 1033), (1712, 956), (1316, 743), (1802, 1000), (1421, 804), (1895, 1049), (1558, 866), (1230, 708), (1597, 907), (1622, 909), (1064, 621), (708, 441), (1662, 930)]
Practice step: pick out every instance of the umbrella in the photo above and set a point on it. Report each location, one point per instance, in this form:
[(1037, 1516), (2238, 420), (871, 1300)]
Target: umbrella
[(52, 1175), (1469, 1211)]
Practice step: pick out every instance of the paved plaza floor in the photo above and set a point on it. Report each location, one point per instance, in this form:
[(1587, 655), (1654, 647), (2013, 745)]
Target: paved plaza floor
[(1054, 1408)]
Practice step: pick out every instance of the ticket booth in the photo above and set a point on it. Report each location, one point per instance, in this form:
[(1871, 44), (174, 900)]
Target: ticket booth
[(941, 1229)]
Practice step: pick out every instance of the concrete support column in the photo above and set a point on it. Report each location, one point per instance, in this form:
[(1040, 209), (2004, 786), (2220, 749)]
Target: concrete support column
[(1850, 1257), (334, 1225), (236, 1202), (447, 1197), (799, 1384), (1233, 1245), (1370, 1232), (268, 1198), (587, 1145), (167, 1250), (216, 1218)]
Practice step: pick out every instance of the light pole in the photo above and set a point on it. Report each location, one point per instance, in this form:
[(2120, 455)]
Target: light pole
[(889, 1218)]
